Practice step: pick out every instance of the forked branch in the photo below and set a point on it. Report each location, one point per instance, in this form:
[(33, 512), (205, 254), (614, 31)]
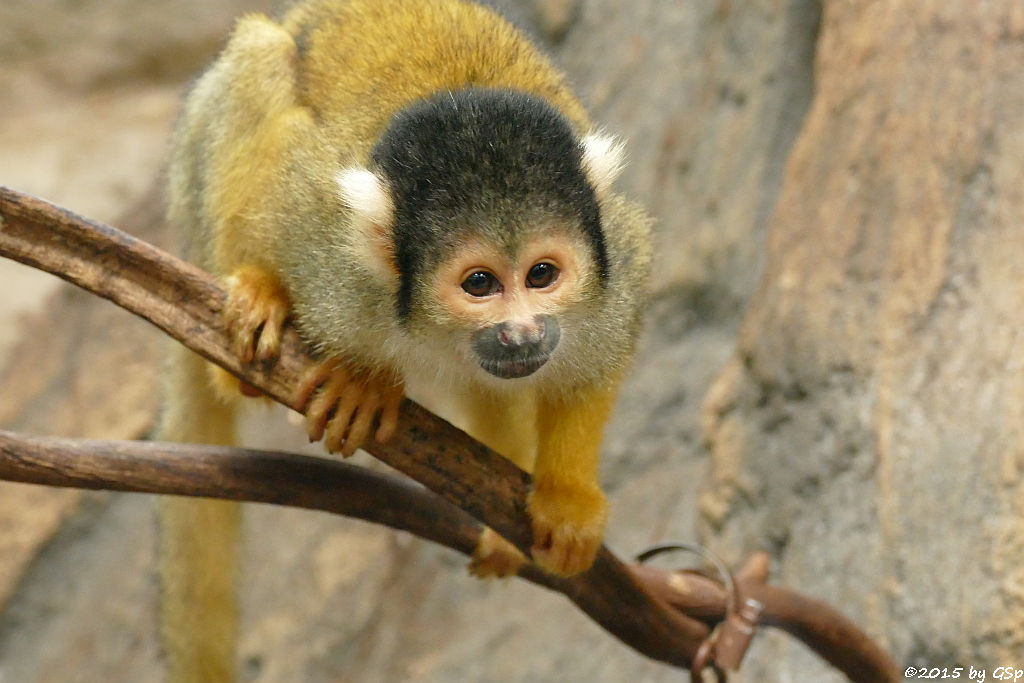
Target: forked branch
[(645, 608)]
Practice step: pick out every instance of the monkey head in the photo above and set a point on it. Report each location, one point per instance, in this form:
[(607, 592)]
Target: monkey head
[(484, 208)]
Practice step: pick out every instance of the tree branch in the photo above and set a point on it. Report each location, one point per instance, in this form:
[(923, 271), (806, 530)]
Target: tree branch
[(186, 303), (330, 486)]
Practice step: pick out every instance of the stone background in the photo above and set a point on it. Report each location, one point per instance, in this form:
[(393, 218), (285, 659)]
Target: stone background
[(832, 370)]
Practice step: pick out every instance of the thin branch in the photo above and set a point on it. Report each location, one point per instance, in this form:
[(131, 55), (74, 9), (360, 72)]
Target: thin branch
[(186, 303), (330, 486), (237, 474)]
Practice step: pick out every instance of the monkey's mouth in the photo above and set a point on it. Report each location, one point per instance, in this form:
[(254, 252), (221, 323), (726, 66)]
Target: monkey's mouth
[(513, 369)]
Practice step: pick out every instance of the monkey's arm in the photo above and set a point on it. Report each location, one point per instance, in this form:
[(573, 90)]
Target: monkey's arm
[(567, 508), (262, 134), (238, 123)]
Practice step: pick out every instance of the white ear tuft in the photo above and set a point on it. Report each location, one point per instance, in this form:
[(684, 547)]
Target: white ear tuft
[(373, 215), (365, 193), (603, 160)]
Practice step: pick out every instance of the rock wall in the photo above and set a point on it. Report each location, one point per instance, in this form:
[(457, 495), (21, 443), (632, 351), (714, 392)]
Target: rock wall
[(869, 424)]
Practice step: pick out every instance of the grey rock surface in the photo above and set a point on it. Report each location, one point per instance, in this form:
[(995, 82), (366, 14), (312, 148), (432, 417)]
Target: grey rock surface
[(869, 423)]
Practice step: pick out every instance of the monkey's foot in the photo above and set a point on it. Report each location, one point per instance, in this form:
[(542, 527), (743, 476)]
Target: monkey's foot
[(341, 404), (256, 309), (568, 525), (495, 557)]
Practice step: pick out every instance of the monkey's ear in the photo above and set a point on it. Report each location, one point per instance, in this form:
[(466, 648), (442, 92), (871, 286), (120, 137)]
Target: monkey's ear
[(603, 160), (373, 215)]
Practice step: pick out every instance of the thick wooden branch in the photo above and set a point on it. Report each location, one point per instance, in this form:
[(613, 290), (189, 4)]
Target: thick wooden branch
[(186, 303)]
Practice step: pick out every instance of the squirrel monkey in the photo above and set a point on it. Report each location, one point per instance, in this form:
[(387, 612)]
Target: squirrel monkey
[(416, 187)]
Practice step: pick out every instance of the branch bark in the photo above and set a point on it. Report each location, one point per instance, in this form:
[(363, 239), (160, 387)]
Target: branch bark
[(186, 303)]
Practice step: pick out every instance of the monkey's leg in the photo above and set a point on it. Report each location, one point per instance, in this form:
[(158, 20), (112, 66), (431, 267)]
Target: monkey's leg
[(199, 539), (507, 424), (566, 506)]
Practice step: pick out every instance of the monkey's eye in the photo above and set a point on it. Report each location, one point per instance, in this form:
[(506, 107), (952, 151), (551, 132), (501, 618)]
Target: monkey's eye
[(480, 283), (541, 275)]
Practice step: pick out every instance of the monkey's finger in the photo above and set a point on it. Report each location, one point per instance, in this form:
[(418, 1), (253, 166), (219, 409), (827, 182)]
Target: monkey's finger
[(323, 376), (542, 541), (268, 342), (319, 409), (244, 333), (230, 315), (551, 560), (241, 323), (553, 549), (312, 379), (545, 555), (339, 422), (269, 345), (361, 425), (571, 555), (581, 554), (389, 418)]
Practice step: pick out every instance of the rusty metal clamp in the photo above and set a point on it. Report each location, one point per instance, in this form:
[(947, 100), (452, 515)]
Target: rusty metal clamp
[(726, 645)]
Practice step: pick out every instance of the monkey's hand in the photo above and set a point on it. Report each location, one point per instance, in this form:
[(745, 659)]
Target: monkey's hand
[(256, 309), (568, 525), (342, 402), (495, 557)]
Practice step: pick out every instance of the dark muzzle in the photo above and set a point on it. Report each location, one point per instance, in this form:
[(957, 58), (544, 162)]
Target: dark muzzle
[(516, 349)]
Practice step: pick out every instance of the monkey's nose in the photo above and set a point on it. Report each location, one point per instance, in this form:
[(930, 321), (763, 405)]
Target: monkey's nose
[(516, 349), (515, 334)]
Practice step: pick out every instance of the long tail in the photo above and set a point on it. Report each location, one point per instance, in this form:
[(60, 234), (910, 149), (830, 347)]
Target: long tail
[(199, 540)]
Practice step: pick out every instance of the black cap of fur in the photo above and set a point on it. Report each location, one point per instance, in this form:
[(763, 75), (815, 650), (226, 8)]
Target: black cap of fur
[(497, 156)]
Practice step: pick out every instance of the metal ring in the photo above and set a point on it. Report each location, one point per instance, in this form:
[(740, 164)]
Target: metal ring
[(712, 558)]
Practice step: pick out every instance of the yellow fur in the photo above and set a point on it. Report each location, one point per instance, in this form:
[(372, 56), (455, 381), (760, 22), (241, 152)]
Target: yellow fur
[(419, 48), (505, 422)]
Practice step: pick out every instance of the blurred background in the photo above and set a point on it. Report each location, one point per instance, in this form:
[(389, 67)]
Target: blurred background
[(832, 368)]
